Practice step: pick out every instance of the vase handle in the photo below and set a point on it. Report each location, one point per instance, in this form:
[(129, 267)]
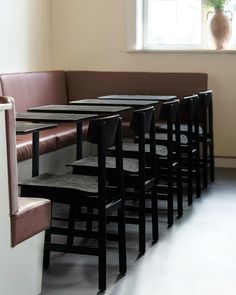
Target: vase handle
[(230, 13), (208, 13)]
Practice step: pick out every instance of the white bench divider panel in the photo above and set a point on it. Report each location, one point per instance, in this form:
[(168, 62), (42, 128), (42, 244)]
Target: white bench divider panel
[(21, 266)]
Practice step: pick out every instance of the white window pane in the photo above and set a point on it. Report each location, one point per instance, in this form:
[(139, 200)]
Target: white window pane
[(173, 22)]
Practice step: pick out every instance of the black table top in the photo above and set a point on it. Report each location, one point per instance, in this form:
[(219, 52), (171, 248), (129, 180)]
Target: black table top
[(52, 117), (25, 127), (160, 98), (80, 109), (115, 102)]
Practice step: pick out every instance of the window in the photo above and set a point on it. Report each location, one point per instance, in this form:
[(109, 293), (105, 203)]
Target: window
[(176, 24)]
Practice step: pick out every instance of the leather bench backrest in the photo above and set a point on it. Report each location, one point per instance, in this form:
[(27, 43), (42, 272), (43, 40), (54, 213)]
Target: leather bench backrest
[(11, 155), (0, 88), (35, 89), (91, 84)]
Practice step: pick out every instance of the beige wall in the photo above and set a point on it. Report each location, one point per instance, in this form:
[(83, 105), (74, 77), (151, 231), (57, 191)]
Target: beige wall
[(91, 35), (25, 35)]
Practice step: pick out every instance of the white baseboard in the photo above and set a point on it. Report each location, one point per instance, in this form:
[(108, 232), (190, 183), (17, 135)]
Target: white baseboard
[(53, 162), (225, 162)]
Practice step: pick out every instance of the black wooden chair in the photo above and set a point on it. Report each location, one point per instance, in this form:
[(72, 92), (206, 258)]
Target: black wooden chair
[(167, 154), (168, 158), (139, 177), (88, 191), (190, 157), (207, 136), (189, 144)]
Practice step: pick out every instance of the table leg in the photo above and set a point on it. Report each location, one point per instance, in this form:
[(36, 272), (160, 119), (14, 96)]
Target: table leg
[(79, 140), (35, 156)]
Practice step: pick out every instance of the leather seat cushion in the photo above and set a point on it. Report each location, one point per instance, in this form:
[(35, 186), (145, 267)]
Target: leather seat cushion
[(66, 134), (32, 217), (24, 144), (50, 140)]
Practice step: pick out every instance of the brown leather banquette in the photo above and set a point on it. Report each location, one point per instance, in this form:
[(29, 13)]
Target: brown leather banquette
[(91, 84), (59, 87), (35, 89)]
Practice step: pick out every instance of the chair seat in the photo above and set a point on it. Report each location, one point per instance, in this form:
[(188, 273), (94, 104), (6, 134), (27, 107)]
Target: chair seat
[(129, 165), (161, 150), (33, 216), (183, 128), (83, 183), (163, 136)]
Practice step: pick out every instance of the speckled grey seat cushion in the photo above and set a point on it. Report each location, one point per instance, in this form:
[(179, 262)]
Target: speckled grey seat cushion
[(129, 165), (183, 128), (163, 136), (82, 183), (161, 150)]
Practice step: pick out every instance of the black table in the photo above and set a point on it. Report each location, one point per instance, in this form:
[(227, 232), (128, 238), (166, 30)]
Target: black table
[(85, 109), (115, 102), (160, 98), (60, 117), (23, 128)]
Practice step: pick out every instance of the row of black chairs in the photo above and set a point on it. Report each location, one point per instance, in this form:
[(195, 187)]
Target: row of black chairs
[(165, 153)]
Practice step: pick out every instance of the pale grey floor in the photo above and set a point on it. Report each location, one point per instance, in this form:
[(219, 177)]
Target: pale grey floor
[(197, 256)]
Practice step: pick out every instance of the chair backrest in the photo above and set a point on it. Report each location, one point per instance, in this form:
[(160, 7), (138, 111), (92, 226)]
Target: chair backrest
[(147, 114), (11, 154), (106, 132), (170, 111), (190, 112), (189, 105), (189, 108), (206, 112), (143, 122), (205, 98), (108, 125)]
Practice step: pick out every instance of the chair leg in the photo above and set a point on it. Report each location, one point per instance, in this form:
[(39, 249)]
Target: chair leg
[(154, 202), (142, 225), (89, 223), (212, 163), (46, 254), (179, 193), (47, 239), (198, 176), (205, 165), (122, 241), (170, 210), (190, 177), (71, 225), (102, 251)]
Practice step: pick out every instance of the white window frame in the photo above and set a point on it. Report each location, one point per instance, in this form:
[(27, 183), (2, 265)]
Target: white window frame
[(136, 31)]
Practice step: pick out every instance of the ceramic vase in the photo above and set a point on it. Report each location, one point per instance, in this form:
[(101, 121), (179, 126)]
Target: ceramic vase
[(221, 29)]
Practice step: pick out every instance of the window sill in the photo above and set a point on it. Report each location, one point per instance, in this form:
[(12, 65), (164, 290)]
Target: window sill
[(221, 51)]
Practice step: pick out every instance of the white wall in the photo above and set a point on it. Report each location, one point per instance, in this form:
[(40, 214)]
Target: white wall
[(25, 35), (91, 35)]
